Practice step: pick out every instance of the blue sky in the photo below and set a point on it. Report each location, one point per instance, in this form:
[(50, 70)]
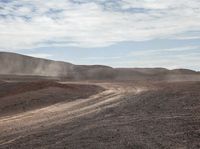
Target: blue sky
[(118, 33)]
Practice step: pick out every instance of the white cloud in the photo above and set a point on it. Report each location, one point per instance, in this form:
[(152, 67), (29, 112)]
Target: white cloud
[(40, 55), (29, 24), (161, 51), (102, 58), (177, 57), (181, 49)]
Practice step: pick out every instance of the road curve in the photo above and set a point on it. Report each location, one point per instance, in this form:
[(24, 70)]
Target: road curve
[(14, 127)]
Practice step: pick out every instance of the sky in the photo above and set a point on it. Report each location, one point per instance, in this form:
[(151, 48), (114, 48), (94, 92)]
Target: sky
[(117, 33)]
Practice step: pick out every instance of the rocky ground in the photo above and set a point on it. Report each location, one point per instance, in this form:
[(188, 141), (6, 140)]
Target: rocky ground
[(100, 115)]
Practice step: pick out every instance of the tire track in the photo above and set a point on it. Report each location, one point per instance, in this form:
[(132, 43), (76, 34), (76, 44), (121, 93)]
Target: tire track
[(36, 120)]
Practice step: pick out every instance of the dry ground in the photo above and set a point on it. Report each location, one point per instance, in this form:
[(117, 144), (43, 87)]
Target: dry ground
[(123, 115)]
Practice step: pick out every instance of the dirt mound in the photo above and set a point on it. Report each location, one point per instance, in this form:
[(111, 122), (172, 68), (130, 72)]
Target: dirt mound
[(18, 97)]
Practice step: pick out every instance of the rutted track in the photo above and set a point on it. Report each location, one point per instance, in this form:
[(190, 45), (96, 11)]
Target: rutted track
[(15, 127), (165, 115)]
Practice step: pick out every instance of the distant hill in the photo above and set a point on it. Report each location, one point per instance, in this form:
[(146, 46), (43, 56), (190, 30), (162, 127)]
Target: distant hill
[(157, 74), (16, 64)]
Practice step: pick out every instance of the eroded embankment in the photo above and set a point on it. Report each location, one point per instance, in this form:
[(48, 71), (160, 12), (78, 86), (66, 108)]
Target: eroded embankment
[(19, 97)]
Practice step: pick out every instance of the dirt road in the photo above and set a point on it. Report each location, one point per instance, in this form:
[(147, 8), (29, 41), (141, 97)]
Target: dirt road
[(14, 127), (124, 116)]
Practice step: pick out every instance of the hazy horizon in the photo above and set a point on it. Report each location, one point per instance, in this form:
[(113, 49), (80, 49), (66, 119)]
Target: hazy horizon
[(99, 64), (116, 33)]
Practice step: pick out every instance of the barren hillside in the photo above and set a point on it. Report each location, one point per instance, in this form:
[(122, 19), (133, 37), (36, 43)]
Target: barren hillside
[(16, 64)]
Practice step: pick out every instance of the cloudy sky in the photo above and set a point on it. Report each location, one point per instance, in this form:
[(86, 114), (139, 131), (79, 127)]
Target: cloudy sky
[(119, 33)]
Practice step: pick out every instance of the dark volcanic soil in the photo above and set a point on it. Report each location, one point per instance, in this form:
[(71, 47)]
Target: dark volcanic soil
[(125, 116)]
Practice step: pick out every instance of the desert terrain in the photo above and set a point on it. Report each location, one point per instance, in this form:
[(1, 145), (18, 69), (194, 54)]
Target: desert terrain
[(123, 109), (47, 114)]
